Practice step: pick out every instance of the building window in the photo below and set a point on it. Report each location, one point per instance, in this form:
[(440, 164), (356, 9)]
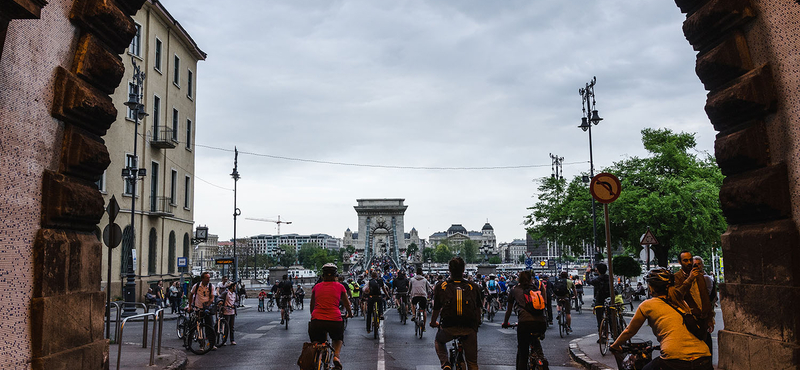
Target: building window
[(186, 245), (154, 187), (101, 184), (152, 252), (171, 255), (187, 192), (174, 125), (188, 134), (176, 78), (173, 192), (156, 115), (189, 83), (136, 43), (131, 90), (158, 55), (130, 162)]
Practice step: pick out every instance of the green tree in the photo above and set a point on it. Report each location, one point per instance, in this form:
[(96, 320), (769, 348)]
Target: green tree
[(521, 258), (412, 249), (428, 254), (307, 250), (626, 266), (350, 250), (495, 260), (289, 257), (443, 253), (469, 251)]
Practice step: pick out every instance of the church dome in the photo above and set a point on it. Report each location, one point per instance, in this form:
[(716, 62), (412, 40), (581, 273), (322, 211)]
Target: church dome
[(456, 228), (487, 227)]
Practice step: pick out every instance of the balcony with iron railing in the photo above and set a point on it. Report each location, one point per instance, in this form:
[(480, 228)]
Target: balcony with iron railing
[(161, 206), (163, 138)]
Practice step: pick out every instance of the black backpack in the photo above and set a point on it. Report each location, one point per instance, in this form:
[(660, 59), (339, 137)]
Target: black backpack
[(561, 288), (460, 304), (375, 287)]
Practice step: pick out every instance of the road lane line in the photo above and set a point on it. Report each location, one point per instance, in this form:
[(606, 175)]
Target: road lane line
[(381, 358)]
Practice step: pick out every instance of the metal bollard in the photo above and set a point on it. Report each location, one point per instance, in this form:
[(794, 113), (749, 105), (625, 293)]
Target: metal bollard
[(122, 330), (160, 329)]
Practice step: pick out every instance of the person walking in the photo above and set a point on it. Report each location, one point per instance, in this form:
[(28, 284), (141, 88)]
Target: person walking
[(458, 302), (174, 297)]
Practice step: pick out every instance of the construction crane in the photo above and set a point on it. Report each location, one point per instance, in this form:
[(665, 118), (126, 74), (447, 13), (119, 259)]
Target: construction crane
[(278, 222)]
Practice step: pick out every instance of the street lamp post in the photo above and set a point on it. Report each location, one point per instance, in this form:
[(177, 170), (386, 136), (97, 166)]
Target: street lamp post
[(590, 115), (132, 173), (236, 211)]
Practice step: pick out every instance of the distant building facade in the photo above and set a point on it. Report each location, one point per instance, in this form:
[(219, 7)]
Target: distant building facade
[(205, 253), (458, 234), (268, 244)]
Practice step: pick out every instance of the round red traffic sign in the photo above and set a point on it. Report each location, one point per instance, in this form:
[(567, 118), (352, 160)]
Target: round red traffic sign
[(605, 187)]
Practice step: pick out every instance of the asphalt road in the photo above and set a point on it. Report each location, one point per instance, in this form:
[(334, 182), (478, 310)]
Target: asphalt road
[(264, 344)]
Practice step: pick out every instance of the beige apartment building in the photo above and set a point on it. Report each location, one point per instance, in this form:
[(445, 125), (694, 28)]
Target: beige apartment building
[(164, 211)]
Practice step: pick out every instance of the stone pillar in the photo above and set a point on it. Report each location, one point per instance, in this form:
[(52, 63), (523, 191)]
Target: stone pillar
[(747, 60)]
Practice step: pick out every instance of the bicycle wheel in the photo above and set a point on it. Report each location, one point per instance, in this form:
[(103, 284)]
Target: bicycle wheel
[(286, 318), (461, 363), (605, 336), (222, 332), (376, 321), (202, 341), (562, 329), (181, 326), (577, 306), (621, 325)]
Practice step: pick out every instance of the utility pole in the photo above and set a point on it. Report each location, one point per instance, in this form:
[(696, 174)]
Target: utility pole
[(556, 164), (236, 211)]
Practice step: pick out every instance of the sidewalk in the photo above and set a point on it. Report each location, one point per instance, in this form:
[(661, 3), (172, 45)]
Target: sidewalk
[(134, 357)]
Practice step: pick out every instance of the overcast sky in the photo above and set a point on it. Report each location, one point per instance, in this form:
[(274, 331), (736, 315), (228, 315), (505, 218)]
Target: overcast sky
[(434, 84)]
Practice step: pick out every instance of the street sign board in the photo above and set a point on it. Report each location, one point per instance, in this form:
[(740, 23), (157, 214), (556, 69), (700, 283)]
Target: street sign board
[(112, 209), (648, 238), (542, 263), (605, 187), (182, 261), (112, 235), (529, 262), (224, 261)]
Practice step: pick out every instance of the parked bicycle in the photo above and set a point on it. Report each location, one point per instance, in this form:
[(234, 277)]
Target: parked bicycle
[(180, 323)]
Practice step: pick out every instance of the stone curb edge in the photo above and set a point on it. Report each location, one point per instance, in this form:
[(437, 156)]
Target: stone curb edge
[(181, 360), (581, 358)]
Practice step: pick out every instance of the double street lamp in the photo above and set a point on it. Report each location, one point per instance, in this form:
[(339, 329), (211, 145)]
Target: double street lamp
[(590, 115), (132, 173), (485, 249)]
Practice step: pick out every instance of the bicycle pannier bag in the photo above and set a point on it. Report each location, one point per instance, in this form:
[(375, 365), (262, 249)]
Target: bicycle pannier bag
[(307, 356)]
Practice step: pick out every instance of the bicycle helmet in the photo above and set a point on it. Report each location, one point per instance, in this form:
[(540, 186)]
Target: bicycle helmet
[(660, 278), (329, 269)]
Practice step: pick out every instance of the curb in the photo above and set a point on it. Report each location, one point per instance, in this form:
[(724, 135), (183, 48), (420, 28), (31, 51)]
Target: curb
[(581, 358), (180, 360)]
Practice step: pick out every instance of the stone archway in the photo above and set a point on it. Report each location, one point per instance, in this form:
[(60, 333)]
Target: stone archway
[(380, 221)]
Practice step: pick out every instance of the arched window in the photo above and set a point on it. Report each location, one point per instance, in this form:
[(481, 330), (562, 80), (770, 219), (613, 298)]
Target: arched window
[(152, 252), (186, 243), (171, 254), (127, 245)]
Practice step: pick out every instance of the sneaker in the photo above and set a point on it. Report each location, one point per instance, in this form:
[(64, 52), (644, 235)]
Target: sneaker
[(281, 322), (447, 367), (214, 348), (337, 365), (233, 343)]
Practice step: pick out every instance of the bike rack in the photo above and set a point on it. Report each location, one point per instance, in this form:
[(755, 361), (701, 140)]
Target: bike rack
[(115, 305), (158, 318)]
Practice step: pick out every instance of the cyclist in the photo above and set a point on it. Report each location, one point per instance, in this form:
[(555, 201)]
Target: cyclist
[(202, 296), (375, 289), (503, 292), (262, 295), (420, 289), (286, 290), (599, 280), (578, 288), (300, 295), (564, 291), (400, 286), (326, 318), (532, 321), (228, 309), (492, 289), (458, 301), (680, 349), (355, 293)]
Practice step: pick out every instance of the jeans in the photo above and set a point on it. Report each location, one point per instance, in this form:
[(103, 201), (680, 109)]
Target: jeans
[(658, 363), (528, 334), (470, 343), (230, 319), (370, 308)]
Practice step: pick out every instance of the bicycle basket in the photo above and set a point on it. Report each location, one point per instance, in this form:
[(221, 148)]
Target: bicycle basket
[(634, 355)]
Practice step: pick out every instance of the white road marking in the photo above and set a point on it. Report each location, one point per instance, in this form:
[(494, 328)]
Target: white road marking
[(507, 331), (266, 327), (275, 322), (252, 336), (491, 323), (381, 359)]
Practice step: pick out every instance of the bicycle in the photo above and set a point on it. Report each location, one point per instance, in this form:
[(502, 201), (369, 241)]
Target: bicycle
[(635, 355), (376, 320), (181, 323), (457, 359), (402, 308), (270, 304), (561, 319), (355, 302), (297, 303), (576, 304), (536, 359), (199, 338), (261, 305), (222, 328), (419, 323), (612, 325), (494, 306), (286, 305)]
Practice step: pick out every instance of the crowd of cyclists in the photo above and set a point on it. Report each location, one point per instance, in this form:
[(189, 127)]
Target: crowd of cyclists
[(457, 304)]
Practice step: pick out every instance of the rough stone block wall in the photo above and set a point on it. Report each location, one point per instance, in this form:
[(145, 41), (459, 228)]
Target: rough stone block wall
[(56, 73), (749, 60)]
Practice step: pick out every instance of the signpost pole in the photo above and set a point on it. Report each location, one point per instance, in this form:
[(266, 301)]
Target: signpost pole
[(608, 251)]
